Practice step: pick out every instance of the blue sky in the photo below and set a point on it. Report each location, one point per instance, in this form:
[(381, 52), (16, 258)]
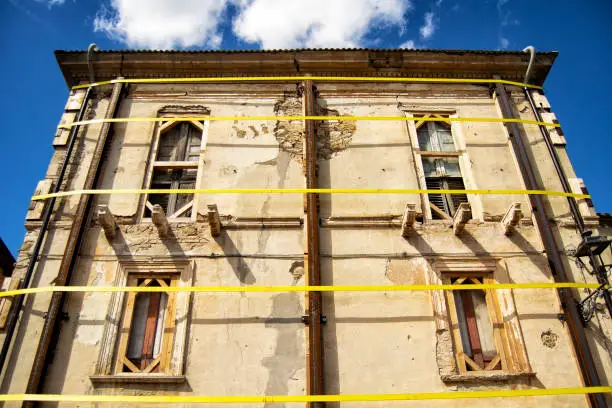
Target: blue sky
[(34, 93)]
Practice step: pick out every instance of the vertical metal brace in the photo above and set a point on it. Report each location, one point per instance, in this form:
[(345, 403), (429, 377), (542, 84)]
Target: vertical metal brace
[(579, 340), (315, 341), (599, 269), (69, 260)]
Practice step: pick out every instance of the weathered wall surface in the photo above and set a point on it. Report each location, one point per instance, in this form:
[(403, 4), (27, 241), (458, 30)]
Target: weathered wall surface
[(255, 343)]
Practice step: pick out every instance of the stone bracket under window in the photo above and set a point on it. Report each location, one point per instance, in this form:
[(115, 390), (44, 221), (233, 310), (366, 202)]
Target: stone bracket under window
[(462, 216), (408, 220), (512, 218), (107, 222)]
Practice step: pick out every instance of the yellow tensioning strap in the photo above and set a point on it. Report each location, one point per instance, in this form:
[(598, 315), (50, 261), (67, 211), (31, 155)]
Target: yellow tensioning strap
[(305, 191), (305, 78), (298, 117), (339, 288), (177, 399)]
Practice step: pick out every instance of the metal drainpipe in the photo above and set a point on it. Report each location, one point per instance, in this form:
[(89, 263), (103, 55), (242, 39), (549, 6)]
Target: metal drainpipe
[(14, 316), (69, 259), (600, 272), (574, 322)]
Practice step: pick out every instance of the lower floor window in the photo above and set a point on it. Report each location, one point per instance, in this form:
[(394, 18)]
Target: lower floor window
[(145, 333), (147, 327), (477, 333)]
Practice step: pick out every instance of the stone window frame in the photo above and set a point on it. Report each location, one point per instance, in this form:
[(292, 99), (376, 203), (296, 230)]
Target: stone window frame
[(512, 344), (204, 125), (461, 153), (105, 370)]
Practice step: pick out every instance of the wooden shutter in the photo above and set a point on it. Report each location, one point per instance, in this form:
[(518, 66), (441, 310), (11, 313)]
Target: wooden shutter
[(168, 142), (424, 138), (162, 180), (455, 183), (435, 183), (194, 143)]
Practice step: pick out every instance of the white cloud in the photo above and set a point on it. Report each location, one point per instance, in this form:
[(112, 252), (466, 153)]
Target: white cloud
[(165, 24), (503, 43), (315, 23), (407, 44), (429, 27), (51, 3), (501, 3), (438, 3), (162, 24)]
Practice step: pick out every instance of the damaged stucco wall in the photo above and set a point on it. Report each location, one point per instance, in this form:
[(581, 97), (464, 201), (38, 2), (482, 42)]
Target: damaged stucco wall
[(254, 343), (387, 335), (239, 343)]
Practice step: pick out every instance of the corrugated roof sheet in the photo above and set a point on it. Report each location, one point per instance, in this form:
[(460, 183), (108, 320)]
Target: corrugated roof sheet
[(418, 50)]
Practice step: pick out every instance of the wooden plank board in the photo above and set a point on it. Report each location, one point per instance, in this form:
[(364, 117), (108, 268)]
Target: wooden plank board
[(438, 211), (470, 318), (129, 365), (150, 329), (166, 351), (126, 324)]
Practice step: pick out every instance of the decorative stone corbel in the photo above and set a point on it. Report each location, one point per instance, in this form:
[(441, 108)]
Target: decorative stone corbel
[(159, 219), (512, 218), (107, 221), (213, 220), (462, 216), (408, 220)]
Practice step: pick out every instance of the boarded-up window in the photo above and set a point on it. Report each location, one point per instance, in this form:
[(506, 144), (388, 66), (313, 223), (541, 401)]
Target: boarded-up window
[(176, 167), (147, 327), (476, 326), (477, 329)]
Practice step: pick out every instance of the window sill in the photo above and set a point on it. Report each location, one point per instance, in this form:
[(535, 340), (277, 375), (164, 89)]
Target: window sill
[(479, 376), (137, 378)]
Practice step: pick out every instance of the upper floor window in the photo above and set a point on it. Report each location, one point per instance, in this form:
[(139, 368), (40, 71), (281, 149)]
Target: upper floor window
[(440, 163), (176, 164)]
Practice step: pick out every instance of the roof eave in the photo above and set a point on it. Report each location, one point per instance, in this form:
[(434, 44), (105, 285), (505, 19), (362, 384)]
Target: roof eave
[(510, 65)]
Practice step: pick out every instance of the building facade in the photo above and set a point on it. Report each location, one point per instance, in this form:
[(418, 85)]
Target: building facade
[(179, 343)]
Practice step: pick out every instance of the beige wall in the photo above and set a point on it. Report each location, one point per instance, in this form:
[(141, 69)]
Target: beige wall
[(255, 343)]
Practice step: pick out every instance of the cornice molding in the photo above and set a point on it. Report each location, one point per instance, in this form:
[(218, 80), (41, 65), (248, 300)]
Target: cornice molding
[(351, 62)]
